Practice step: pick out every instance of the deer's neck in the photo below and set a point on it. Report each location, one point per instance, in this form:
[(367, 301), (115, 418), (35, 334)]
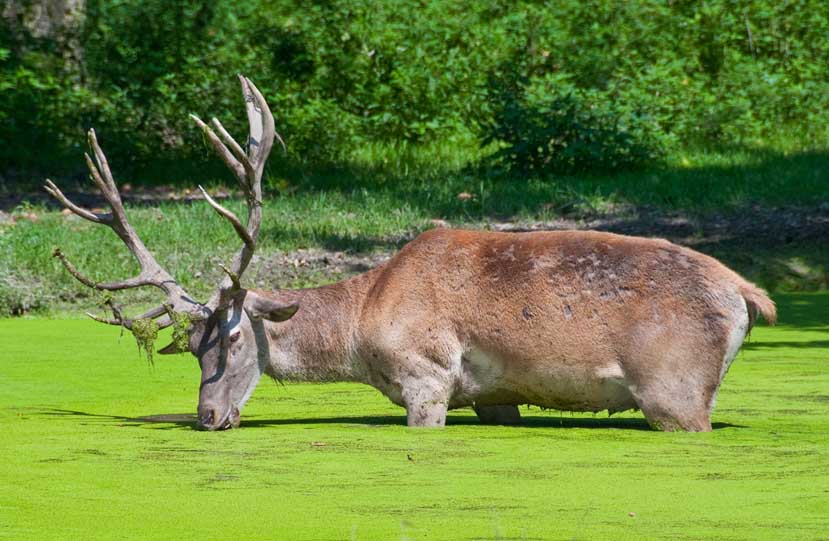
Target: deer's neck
[(318, 342)]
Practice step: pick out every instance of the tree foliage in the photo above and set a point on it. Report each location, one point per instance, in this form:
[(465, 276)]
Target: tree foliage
[(615, 81)]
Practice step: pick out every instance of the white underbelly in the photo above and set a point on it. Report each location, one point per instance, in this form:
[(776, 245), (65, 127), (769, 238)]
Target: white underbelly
[(486, 380)]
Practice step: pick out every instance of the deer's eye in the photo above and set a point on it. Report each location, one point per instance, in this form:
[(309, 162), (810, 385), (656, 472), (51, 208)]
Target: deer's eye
[(235, 336)]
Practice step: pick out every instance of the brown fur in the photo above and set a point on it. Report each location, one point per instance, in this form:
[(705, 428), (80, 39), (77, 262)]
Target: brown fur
[(582, 321)]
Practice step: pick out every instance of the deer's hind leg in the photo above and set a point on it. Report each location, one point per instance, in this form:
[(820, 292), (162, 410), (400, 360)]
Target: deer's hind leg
[(679, 388), (498, 415), (669, 416), (678, 393), (675, 387)]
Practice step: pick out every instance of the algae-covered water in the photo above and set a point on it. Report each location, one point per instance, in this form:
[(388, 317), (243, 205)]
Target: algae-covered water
[(97, 444)]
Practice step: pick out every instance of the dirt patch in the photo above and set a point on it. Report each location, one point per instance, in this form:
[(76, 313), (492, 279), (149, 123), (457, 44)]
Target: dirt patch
[(311, 267), (10, 203)]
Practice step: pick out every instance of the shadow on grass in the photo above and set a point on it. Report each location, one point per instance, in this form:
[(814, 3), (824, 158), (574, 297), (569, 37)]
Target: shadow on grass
[(527, 421), (173, 419), (806, 312), (188, 421), (803, 344), (735, 178), (743, 175), (276, 234)]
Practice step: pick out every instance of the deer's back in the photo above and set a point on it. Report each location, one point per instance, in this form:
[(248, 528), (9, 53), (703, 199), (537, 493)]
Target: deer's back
[(547, 297)]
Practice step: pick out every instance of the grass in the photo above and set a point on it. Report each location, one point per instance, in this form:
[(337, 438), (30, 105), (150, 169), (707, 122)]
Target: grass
[(388, 194), (429, 178), (98, 445)]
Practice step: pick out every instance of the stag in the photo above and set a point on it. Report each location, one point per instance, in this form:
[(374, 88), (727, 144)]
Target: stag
[(580, 321)]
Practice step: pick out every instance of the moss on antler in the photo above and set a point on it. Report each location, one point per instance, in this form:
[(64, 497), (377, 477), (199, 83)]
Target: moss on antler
[(146, 333), (105, 299), (181, 322)]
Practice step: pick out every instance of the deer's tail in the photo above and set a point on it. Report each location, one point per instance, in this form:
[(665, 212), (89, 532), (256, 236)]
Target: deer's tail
[(758, 303)]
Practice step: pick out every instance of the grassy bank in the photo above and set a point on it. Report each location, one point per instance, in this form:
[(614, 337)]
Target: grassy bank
[(390, 194), (99, 445)]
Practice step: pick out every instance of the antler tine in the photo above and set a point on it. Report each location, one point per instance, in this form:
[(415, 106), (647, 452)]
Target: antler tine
[(151, 273), (96, 176), (103, 286), (55, 192), (102, 175), (111, 191), (127, 323), (234, 221), (248, 169), (262, 128), (234, 278), (121, 321), (223, 152), (237, 152)]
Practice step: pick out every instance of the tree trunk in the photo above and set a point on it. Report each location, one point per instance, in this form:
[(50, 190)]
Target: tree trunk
[(58, 21)]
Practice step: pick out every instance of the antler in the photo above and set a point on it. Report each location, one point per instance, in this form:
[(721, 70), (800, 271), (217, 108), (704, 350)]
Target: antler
[(152, 274), (248, 169)]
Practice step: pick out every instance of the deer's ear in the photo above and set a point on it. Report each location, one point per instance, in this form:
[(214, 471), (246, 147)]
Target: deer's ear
[(259, 307), (170, 349)]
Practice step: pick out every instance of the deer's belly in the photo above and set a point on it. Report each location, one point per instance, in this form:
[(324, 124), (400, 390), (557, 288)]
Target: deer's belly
[(487, 380)]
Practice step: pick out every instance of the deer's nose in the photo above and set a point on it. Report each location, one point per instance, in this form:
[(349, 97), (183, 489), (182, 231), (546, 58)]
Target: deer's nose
[(207, 417)]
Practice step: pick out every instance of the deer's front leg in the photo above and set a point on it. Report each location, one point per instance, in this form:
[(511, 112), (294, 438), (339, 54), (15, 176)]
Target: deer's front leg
[(426, 412), (417, 380), (426, 400)]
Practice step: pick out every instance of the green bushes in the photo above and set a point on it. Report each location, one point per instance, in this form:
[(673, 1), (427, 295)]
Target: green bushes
[(616, 81), (542, 129)]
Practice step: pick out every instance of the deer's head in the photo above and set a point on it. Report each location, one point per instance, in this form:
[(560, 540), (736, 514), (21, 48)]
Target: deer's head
[(227, 332), (234, 347)]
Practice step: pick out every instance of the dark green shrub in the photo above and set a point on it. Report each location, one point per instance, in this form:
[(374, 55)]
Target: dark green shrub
[(549, 130), (321, 133)]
